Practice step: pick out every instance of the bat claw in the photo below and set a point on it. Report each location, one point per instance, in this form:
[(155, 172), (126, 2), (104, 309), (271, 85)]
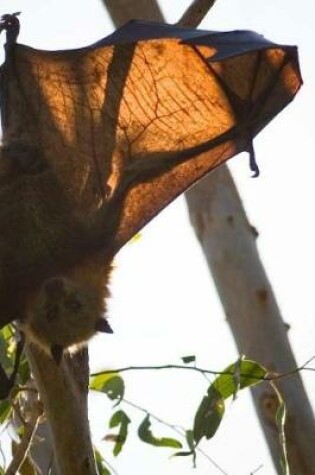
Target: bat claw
[(56, 353), (11, 24), (103, 326), (252, 160)]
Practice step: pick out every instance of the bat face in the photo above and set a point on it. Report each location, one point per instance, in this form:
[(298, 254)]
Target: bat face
[(98, 140), (67, 311)]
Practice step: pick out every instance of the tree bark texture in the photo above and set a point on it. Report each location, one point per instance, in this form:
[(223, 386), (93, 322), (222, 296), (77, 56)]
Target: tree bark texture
[(228, 242), (64, 391)]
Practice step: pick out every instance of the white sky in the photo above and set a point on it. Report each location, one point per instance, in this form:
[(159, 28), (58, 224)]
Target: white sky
[(163, 302)]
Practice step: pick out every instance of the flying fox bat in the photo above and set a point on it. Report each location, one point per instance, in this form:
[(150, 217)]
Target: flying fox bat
[(98, 140)]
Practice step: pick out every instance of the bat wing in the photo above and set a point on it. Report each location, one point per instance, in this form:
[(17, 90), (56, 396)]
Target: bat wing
[(132, 121)]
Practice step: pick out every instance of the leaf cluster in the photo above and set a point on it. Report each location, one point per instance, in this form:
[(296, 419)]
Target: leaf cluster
[(209, 414)]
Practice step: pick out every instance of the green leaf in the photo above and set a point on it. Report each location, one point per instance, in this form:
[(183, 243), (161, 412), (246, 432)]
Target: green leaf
[(237, 375), (7, 332), (189, 359), (209, 415), (191, 444), (100, 464), (110, 384), (190, 439), (24, 371), (2, 472), (244, 373), (146, 436), (5, 358), (121, 419), (5, 411), (8, 354), (97, 382), (183, 454)]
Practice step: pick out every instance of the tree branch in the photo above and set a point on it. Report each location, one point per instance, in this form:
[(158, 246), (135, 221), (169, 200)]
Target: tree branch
[(229, 244), (64, 390), (268, 377), (195, 13), (22, 449)]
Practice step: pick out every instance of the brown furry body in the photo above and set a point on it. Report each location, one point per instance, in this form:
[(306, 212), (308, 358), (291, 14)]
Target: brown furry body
[(42, 240)]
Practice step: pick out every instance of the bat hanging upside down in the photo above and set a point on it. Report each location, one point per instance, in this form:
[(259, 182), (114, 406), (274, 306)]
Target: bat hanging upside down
[(98, 140)]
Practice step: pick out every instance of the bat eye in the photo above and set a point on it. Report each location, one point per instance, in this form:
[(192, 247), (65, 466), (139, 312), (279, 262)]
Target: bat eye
[(73, 304)]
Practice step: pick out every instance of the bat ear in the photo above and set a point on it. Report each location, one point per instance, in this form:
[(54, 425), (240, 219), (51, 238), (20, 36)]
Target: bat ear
[(103, 326), (56, 352)]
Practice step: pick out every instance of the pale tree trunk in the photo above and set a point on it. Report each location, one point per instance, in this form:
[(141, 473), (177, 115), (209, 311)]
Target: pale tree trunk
[(228, 242), (63, 390)]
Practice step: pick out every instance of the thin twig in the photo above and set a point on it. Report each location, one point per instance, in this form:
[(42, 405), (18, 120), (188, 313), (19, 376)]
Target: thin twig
[(304, 366), (256, 469), (179, 430), (195, 13), (24, 446), (26, 389), (170, 366), (267, 377)]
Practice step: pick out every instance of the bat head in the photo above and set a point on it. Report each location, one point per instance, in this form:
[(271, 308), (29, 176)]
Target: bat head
[(66, 311)]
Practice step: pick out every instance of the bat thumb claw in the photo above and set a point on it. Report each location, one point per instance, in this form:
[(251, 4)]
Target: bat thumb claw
[(252, 160), (103, 326), (56, 353)]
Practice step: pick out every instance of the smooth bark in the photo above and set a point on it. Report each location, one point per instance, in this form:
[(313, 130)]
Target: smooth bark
[(229, 244)]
